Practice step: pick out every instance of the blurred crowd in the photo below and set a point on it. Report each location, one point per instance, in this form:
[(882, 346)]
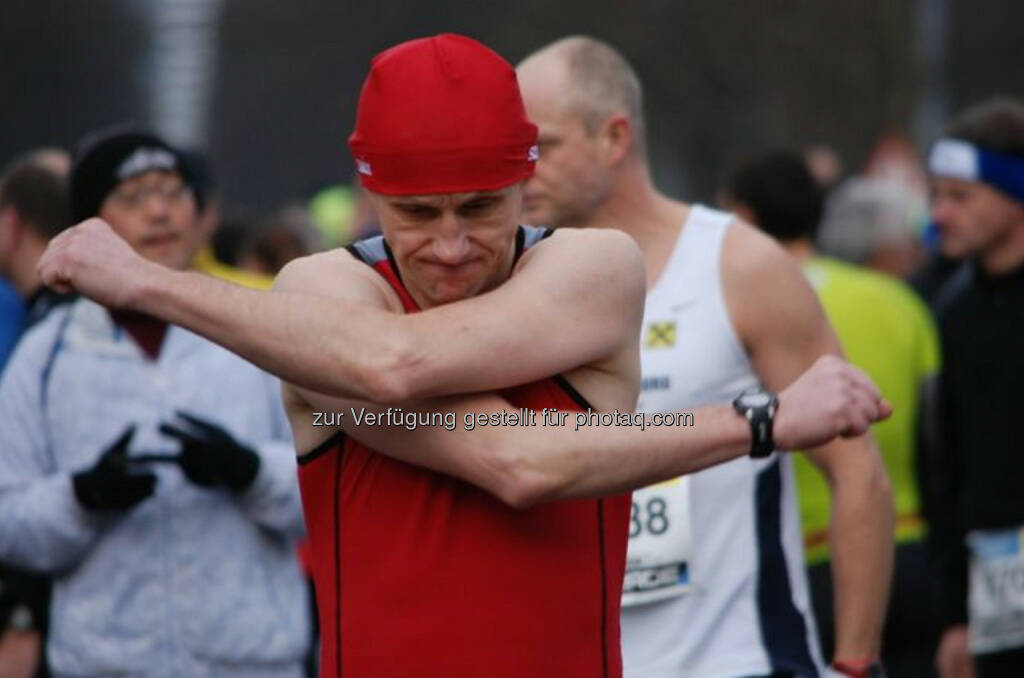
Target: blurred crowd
[(149, 511)]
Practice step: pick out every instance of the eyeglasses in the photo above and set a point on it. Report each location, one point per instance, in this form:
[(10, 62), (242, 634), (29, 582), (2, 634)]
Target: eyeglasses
[(170, 193)]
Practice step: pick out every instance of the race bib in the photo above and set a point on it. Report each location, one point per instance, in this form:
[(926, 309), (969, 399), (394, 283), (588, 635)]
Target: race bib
[(996, 594), (658, 559)]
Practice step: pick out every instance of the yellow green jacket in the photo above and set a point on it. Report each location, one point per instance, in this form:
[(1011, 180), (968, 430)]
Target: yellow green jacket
[(888, 332), (206, 263)]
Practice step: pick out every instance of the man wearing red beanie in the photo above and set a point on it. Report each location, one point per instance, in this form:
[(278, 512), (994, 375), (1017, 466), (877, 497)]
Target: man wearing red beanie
[(459, 535)]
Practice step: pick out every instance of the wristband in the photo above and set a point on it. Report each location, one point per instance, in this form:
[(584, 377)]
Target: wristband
[(859, 668)]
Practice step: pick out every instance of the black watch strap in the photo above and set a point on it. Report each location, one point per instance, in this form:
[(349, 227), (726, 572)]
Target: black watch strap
[(758, 407)]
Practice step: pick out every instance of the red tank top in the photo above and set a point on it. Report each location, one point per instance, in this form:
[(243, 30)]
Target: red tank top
[(419, 574)]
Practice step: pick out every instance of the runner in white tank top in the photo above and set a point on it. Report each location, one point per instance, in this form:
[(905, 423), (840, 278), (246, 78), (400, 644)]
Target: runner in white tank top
[(717, 557), (715, 584)]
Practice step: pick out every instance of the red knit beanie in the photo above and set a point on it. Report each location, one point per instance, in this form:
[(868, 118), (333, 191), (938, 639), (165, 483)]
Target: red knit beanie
[(441, 115)]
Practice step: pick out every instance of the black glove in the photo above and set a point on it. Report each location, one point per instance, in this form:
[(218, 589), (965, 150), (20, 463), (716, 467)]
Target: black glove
[(26, 591), (210, 457), (110, 485)]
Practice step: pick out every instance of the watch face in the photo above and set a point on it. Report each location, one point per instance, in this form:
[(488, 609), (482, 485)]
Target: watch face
[(759, 399)]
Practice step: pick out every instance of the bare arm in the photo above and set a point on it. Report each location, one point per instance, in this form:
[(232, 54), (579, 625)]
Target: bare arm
[(526, 464), (785, 331), (583, 290), (520, 465), (523, 465), (860, 541)]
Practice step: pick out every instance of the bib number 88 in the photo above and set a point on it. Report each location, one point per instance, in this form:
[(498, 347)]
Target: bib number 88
[(649, 517)]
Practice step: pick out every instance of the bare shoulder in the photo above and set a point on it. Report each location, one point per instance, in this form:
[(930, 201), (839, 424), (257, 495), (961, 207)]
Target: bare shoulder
[(765, 291), (316, 270), (336, 273), (594, 253), (609, 241), (750, 256)]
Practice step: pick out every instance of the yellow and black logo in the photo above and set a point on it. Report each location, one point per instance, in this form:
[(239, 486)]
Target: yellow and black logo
[(661, 335)]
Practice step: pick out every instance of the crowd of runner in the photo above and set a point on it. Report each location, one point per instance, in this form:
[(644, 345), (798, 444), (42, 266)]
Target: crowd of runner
[(168, 508)]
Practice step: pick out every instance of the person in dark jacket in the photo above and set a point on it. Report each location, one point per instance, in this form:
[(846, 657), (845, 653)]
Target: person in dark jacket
[(977, 475)]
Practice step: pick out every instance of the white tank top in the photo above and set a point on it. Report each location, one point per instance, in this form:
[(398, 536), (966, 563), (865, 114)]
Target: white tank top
[(715, 585)]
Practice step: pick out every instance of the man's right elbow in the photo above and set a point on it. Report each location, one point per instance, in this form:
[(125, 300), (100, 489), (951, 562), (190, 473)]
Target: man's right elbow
[(382, 383), (520, 495), (522, 486), (387, 378)]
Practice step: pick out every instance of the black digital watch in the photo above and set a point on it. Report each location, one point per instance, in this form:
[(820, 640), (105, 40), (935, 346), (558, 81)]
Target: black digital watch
[(758, 407)]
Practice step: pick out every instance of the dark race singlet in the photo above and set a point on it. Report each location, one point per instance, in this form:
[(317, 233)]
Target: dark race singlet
[(421, 574)]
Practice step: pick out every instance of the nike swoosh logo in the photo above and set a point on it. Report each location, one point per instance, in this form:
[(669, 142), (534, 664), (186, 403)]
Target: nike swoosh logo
[(676, 308)]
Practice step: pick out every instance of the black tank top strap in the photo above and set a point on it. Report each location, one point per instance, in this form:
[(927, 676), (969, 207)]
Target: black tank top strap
[(371, 251), (334, 442), (527, 237)]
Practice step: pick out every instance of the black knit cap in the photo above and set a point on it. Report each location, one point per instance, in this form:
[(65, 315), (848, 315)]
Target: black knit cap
[(106, 158)]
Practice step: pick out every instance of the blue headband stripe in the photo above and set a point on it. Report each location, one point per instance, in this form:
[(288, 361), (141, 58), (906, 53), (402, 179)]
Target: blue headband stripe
[(960, 159), (1004, 172)]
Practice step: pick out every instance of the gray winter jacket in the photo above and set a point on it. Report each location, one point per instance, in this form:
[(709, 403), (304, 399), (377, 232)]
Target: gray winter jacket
[(190, 582)]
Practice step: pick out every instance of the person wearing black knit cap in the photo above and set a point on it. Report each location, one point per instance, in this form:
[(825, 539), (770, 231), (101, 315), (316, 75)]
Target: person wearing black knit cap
[(147, 469), (115, 173)]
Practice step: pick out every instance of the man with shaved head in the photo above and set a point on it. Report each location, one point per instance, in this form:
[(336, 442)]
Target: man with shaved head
[(715, 585)]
